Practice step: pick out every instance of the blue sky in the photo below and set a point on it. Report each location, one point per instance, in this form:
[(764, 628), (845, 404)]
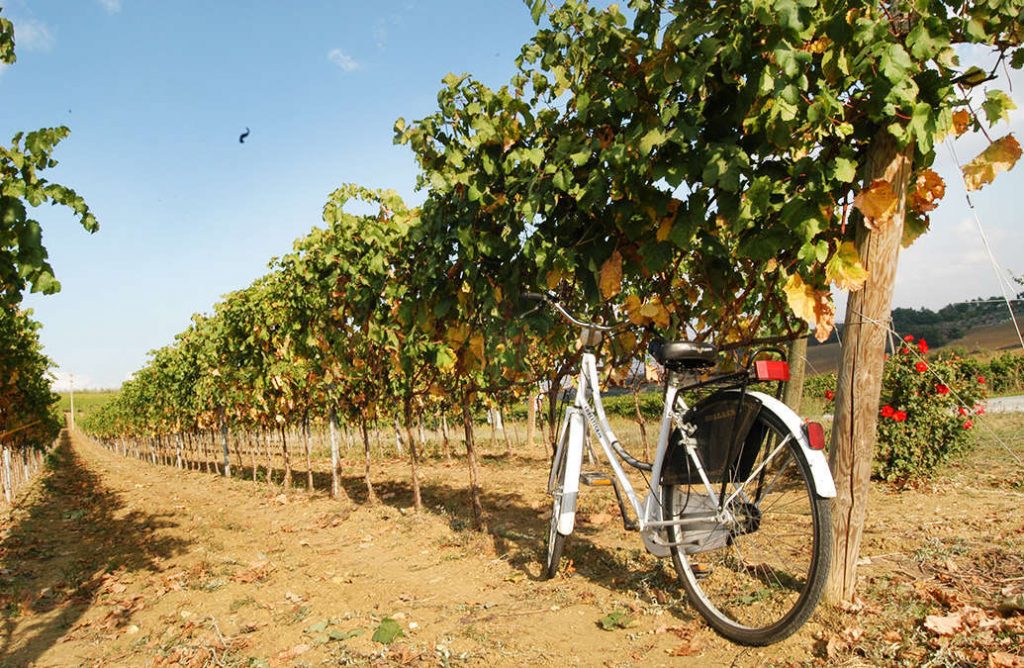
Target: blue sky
[(156, 94)]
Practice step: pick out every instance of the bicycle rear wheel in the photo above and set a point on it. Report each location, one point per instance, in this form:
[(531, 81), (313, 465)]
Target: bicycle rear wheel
[(757, 576)]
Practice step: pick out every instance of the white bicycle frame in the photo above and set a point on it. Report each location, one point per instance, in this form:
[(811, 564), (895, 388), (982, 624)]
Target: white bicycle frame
[(588, 409)]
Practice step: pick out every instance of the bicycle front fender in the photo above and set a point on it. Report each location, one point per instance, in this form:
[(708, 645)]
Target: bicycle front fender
[(821, 475), (573, 465)]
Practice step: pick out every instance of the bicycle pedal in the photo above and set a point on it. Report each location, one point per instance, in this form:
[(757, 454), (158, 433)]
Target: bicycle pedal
[(595, 479)]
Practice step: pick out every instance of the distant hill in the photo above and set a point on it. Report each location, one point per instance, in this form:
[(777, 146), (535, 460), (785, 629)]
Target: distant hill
[(950, 322), (978, 326)]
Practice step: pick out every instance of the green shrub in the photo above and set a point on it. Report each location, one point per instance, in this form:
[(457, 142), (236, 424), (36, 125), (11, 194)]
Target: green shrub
[(927, 410), (1005, 374), (821, 387)]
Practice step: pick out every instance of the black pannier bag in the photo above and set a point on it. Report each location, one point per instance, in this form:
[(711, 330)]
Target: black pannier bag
[(715, 419)]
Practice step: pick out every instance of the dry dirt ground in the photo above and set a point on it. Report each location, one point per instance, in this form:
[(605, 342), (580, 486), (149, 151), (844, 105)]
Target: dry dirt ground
[(110, 561)]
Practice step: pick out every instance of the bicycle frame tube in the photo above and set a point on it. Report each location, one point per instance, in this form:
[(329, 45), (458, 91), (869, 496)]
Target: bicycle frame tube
[(588, 387)]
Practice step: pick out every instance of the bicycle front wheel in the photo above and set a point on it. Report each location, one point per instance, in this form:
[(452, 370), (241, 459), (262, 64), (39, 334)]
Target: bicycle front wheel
[(556, 541), (757, 573)]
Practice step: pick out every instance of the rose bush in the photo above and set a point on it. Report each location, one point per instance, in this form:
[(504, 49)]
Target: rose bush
[(927, 412)]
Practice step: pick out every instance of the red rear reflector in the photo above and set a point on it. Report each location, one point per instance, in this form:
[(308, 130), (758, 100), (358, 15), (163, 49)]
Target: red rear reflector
[(815, 435), (771, 370)]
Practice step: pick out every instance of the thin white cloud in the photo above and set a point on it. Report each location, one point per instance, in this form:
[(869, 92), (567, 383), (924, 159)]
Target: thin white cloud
[(344, 61), (111, 6), (380, 35), (33, 35)]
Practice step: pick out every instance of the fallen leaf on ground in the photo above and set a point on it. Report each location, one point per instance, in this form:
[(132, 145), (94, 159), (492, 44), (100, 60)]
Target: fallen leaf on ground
[(615, 620), (943, 625), (1005, 660), (387, 632)]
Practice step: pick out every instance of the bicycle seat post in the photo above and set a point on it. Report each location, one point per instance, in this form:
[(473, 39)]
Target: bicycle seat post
[(589, 339)]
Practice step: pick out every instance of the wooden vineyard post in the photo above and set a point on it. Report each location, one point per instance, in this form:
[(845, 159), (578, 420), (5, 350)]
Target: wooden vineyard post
[(254, 443), (446, 436), (860, 372), (309, 458), (224, 446), (371, 497), (640, 420), (8, 492), (474, 474), (398, 437), (287, 482), (797, 358), (332, 424), (179, 461), (417, 499), (531, 419)]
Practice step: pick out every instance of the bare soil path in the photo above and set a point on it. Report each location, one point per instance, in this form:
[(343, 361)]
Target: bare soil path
[(115, 562)]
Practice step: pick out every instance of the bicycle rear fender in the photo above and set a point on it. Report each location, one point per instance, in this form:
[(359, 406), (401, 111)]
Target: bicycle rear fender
[(824, 486)]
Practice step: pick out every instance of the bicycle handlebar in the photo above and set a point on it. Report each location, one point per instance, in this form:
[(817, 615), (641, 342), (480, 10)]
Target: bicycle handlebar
[(552, 300)]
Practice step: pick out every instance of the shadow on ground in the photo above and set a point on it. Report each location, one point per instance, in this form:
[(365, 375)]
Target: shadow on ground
[(517, 529), (66, 536)]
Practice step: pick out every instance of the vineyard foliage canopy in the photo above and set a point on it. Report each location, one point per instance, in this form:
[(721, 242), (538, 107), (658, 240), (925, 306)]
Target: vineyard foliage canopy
[(695, 167), (28, 416)]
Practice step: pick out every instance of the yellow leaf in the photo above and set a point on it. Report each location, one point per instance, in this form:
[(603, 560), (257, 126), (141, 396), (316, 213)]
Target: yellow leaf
[(817, 46), (961, 120), (632, 308), (457, 335), (553, 278), (812, 306), (927, 191), (845, 270), (624, 342), (611, 276), (665, 228), (877, 202), (654, 311), (1000, 156), (476, 352)]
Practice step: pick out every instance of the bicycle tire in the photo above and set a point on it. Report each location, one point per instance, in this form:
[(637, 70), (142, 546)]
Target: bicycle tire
[(760, 599), (556, 541)]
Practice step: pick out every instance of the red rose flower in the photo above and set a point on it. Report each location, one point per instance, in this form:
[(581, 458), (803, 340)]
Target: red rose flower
[(968, 424), (829, 395), (888, 411), (904, 351), (908, 338), (900, 416), (922, 346), (942, 389), (981, 380), (921, 367), (962, 410), (979, 409)]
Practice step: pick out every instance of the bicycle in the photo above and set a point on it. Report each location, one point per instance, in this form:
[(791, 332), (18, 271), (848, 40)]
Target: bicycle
[(737, 494)]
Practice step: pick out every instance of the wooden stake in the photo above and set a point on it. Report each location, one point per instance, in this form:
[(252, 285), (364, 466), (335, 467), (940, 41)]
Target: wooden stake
[(797, 359), (860, 373)]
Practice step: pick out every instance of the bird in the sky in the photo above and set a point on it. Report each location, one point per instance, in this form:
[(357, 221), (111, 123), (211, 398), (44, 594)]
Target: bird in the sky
[(241, 138)]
